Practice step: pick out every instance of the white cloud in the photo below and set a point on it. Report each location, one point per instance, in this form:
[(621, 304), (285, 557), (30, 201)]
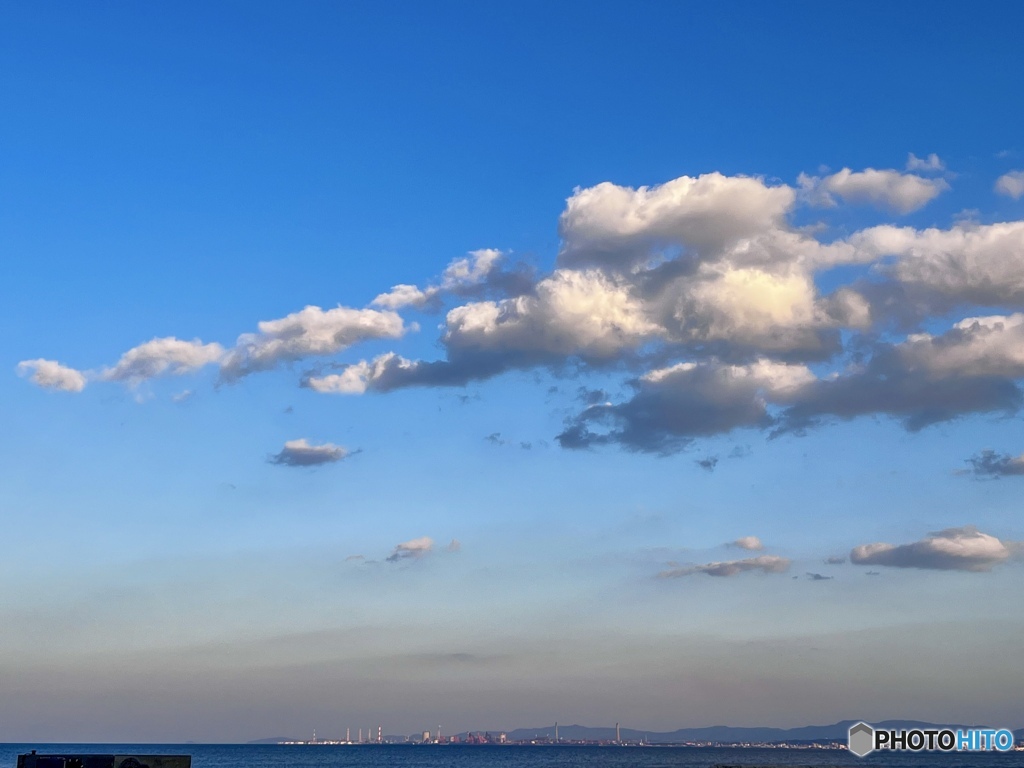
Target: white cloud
[(931, 163), (405, 296), (764, 563), (597, 316), (749, 288), (355, 379), (886, 189), (1011, 184), (752, 307), (301, 453), (472, 270), (311, 332), (352, 380), (181, 397), (959, 549), (620, 228), (968, 263), (49, 374), (412, 549), (976, 346), (749, 543), (585, 313), (162, 356)]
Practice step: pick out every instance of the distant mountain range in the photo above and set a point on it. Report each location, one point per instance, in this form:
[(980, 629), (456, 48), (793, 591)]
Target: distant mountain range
[(723, 734)]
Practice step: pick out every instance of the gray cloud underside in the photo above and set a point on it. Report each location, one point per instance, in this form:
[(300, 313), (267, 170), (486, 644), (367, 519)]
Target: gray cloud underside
[(301, 453), (763, 563), (973, 368), (990, 464)]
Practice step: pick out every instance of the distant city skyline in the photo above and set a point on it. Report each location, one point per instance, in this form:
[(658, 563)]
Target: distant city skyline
[(508, 364), (827, 735)]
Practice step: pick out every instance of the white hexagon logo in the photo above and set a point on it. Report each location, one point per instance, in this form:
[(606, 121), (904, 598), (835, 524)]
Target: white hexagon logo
[(861, 739)]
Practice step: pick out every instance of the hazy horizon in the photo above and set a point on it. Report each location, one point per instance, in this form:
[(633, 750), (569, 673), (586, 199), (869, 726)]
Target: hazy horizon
[(483, 365)]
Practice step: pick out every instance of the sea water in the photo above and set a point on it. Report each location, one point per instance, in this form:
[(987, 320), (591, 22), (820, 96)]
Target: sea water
[(466, 756)]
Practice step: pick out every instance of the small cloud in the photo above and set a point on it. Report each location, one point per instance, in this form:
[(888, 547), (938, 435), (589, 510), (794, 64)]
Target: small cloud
[(708, 463), (49, 374), (967, 216), (818, 577), (930, 163), (301, 453), (751, 543), (289, 410), (311, 332), (182, 396), (401, 296), (159, 357), (873, 573), (764, 563), (951, 549), (354, 558), (835, 560), (995, 465), (740, 452), (886, 189), (412, 549), (479, 272), (495, 438), (1011, 184), (454, 546)]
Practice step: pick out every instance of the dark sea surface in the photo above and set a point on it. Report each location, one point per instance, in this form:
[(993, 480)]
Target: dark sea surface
[(374, 756)]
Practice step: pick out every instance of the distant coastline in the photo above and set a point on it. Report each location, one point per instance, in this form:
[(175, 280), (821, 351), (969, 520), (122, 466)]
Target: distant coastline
[(831, 736)]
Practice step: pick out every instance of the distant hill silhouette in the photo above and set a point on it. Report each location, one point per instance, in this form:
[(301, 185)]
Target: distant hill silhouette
[(724, 734)]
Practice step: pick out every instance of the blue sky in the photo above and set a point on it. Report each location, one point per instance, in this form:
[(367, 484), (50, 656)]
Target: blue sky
[(675, 276)]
